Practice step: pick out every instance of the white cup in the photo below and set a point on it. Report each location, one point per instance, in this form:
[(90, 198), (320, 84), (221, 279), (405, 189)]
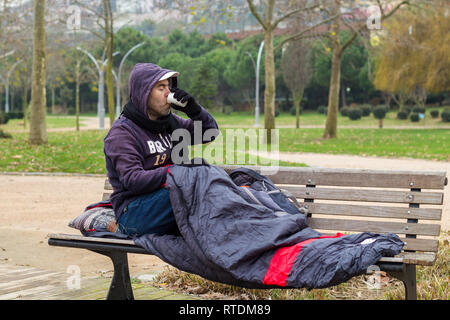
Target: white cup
[(171, 99)]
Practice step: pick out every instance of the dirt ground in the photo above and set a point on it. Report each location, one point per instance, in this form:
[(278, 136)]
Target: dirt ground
[(32, 206)]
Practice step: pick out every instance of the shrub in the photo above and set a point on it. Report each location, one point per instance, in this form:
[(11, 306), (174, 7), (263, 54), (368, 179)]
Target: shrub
[(355, 113), (402, 115), (379, 112), (418, 109), (344, 111), (322, 109), (366, 110), (434, 114), (277, 113), (414, 117), (445, 115), (15, 115)]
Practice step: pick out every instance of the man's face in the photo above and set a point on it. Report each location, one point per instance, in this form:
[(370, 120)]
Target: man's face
[(157, 105)]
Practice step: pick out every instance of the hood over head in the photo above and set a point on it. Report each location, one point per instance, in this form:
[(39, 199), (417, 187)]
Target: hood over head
[(142, 79)]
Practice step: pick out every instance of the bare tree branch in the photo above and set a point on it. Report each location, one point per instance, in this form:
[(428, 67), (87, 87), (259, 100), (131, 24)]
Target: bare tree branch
[(288, 15), (299, 35), (256, 14), (385, 16), (348, 42)]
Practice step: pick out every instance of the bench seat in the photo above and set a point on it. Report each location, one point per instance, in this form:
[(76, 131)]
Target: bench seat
[(407, 203), (76, 241)]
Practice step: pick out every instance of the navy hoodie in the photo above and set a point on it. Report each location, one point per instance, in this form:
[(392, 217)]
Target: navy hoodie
[(137, 160)]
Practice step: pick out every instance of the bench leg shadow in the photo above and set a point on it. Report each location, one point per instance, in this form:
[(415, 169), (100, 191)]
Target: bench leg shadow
[(120, 288)]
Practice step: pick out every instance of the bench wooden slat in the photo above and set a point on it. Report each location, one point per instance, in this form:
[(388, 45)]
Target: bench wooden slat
[(355, 177), (366, 195), (76, 237), (373, 211), (363, 195), (412, 244), (406, 257), (415, 244), (358, 195), (351, 178), (424, 259), (374, 226), (425, 245)]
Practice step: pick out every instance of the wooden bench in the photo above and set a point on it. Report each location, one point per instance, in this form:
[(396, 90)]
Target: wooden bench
[(335, 200)]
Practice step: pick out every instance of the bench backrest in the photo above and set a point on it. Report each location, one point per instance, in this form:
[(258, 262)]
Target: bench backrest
[(408, 203)]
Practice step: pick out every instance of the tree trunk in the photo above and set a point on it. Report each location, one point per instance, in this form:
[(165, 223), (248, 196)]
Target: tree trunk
[(269, 92), (109, 40), (52, 87), (77, 94), (297, 96), (333, 96), (24, 105), (38, 129)]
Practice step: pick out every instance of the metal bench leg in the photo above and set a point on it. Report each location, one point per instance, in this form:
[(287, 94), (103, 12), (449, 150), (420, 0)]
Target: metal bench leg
[(120, 288), (410, 282), (408, 277)]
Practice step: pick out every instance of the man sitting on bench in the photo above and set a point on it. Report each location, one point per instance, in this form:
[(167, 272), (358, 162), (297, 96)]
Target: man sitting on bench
[(138, 150)]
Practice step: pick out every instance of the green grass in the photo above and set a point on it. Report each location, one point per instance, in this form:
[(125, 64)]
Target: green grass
[(312, 118), (69, 152), (72, 152), (430, 144), (82, 152), (52, 122)]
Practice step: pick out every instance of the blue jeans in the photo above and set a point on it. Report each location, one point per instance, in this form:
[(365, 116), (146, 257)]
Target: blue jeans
[(150, 213)]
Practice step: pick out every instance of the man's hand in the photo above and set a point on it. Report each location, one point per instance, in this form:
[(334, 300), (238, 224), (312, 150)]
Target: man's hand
[(192, 108)]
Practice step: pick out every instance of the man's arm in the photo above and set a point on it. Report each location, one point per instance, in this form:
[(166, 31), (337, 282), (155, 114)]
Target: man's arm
[(123, 153)]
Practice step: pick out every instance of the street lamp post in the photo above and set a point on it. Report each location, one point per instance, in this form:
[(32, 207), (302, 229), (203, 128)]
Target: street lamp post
[(257, 83), (6, 82), (101, 86), (256, 67)]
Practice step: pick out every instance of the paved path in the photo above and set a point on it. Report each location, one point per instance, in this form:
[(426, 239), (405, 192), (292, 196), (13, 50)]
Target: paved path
[(27, 283)]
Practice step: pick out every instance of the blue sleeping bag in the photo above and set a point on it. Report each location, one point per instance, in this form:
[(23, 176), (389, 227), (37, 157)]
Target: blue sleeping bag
[(256, 239)]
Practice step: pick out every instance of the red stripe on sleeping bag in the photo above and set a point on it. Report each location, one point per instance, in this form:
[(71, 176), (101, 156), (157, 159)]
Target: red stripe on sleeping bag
[(100, 205), (283, 259)]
